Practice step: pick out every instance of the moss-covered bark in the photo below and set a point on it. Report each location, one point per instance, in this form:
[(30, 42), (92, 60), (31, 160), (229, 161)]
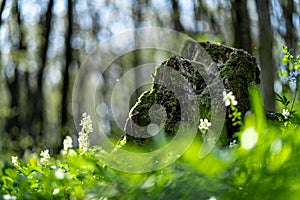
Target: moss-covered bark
[(237, 68)]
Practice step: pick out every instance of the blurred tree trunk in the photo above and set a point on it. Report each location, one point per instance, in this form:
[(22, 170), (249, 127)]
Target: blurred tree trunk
[(176, 16), (138, 19), (201, 12), (13, 126), (38, 101), (290, 36), (265, 53), (241, 25), (66, 75), (1, 10)]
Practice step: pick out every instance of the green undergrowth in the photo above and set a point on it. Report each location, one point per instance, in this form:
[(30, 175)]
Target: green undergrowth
[(262, 163)]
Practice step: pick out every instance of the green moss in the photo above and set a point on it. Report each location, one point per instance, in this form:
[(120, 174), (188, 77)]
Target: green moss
[(237, 68)]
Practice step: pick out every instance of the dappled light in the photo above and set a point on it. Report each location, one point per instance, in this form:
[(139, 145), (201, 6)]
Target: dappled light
[(149, 99)]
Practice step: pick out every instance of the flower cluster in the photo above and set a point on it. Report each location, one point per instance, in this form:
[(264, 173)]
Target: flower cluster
[(68, 143), (86, 128), (233, 144), (229, 99), (204, 124), (292, 76), (45, 156), (235, 115)]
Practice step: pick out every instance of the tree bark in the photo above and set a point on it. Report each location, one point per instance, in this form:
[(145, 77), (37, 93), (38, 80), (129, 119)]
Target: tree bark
[(265, 53), (290, 36), (241, 25), (238, 70), (176, 16)]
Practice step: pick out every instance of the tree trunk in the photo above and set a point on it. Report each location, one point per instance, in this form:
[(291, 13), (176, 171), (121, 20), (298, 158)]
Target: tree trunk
[(265, 53), (13, 125), (238, 70), (201, 12), (137, 56), (176, 16), (1, 10), (290, 36), (241, 25), (66, 76), (38, 100)]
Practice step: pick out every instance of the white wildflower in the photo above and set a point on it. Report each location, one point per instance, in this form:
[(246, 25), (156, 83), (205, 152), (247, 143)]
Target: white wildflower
[(285, 113), (86, 123), (45, 156), (86, 128), (204, 124), (15, 161), (68, 143), (229, 99), (233, 144)]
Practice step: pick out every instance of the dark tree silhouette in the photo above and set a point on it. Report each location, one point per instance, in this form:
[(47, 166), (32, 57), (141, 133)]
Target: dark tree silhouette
[(241, 25), (66, 75), (176, 16), (13, 82), (38, 100), (265, 53), (290, 36)]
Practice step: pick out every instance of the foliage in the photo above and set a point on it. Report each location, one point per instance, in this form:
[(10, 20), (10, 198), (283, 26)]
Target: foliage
[(264, 164)]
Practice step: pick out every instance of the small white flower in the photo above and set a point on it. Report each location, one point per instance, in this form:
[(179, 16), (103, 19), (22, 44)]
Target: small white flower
[(68, 143), (229, 99), (15, 161), (45, 156), (233, 144), (55, 191), (204, 124), (285, 113)]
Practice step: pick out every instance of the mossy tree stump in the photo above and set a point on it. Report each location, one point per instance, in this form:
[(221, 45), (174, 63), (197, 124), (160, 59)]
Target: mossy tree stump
[(237, 68)]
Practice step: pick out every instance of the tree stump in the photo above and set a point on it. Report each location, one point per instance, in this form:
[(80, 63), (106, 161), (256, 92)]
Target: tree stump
[(237, 68)]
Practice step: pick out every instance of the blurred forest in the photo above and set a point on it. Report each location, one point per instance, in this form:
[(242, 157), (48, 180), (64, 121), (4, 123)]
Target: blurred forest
[(44, 42)]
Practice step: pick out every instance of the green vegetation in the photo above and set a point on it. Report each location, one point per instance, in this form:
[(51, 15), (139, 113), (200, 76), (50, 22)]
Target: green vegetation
[(262, 164)]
